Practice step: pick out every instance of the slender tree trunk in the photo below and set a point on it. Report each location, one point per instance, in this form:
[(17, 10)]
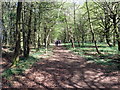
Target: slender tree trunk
[(38, 40), (118, 39), (24, 34), (39, 45), (70, 35), (78, 41), (72, 42), (29, 32), (47, 42), (83, 39), (71, 38), (66, 30), (118, 45), (91, 28), (65, 36), (11, 30), (74, 27), (35, 22), (114, 41), (45, 37), (1, 28)]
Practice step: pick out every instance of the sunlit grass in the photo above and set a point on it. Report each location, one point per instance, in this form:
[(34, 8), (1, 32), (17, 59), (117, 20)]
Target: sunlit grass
[(88, 51)]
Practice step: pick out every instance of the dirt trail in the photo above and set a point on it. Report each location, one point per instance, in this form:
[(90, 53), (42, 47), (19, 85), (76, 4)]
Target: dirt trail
[(65, 70)]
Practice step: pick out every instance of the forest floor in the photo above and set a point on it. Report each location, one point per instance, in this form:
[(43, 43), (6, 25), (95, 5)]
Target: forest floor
[(65, 69)]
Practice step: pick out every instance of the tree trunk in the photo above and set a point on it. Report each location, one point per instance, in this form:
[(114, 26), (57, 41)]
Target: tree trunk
[(24, 35), (83, 37), (72, 42), (119, 45), (78, 41), (115, 30), (38, 39), (118, 40), (29, 32), (17, 42), (114, 41), (65, 36), (91, 28), (107, 39), (1, 28), (39, 45), (71, 38), (35, 22), (45, 36)]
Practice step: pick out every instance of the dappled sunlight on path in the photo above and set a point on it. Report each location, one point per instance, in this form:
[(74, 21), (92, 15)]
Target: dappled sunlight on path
[(65, 70)]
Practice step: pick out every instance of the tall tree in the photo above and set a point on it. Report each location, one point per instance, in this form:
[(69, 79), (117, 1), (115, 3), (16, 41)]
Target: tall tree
[(17, 42), (91, 28), (24, 32), (29, 31)]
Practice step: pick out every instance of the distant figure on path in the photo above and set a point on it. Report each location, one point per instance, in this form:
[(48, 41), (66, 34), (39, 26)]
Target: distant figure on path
[(57, 42)]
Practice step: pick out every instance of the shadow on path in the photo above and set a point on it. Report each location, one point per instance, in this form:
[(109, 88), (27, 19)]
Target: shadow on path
[(66, 70)]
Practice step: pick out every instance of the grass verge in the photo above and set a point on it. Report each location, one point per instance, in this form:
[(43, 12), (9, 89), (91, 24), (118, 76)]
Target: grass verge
[(25, 63), (110, 55)]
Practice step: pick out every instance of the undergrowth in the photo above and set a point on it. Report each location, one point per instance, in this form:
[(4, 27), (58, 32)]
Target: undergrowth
[(25, 63)]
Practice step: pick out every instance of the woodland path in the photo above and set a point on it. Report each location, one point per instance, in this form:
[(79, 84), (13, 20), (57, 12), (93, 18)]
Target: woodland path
[(66, 70)]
